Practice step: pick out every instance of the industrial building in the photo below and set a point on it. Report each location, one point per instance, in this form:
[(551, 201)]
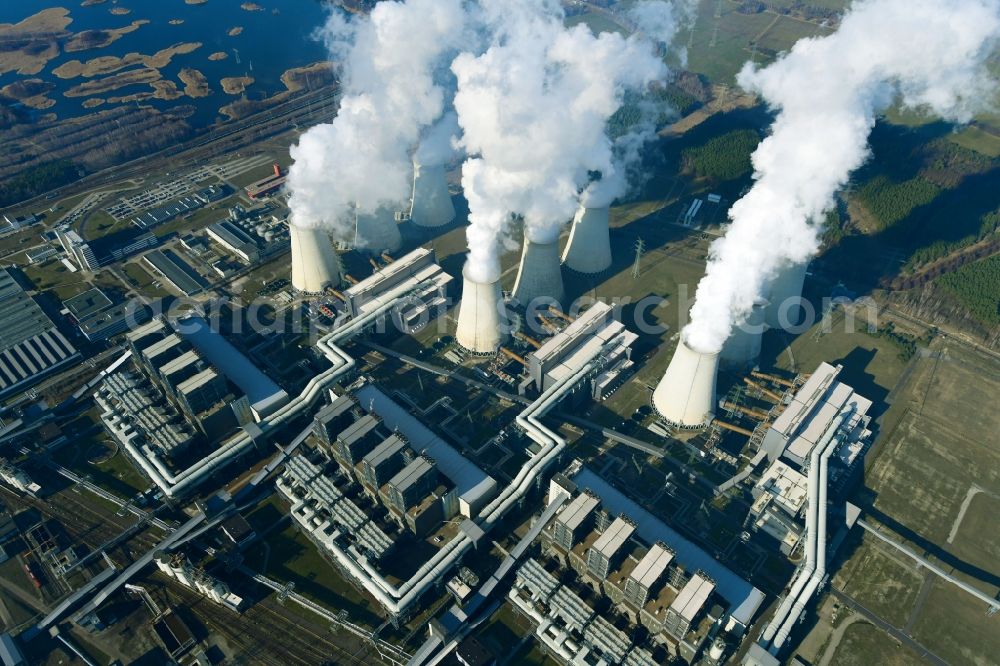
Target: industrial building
[(595, 328), (91, 256), (267, 186), (17, 478), (192, 386), (234, 240), (176, 272), (642, 527), (417, 269), (99, 318), (327, 515), (178, 567), (31, 346), (822, 434)]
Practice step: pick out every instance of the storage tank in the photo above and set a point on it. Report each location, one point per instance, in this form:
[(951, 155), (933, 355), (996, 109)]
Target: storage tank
[(378, 231), (742, 349), (539, 275), (685, 396), (315, 265), (783, 295), (431, 205), (479, 317), (589, 247)]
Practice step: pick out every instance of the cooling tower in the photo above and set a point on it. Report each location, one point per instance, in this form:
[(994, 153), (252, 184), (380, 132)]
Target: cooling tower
[(784, 294), (314, 263), (378, 231), (742, 349), (431, 205), (539, 275), (589, 247), (479, 317), (685, 396)]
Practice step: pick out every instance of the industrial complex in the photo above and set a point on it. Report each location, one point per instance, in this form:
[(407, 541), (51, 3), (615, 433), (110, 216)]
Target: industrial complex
[(383, 371)]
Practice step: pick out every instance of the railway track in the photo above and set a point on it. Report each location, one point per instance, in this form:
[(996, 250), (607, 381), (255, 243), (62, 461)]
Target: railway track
[(266, 633)]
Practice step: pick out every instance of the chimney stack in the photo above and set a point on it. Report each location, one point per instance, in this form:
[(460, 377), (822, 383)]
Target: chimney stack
[(315, 265), (431, 205), (479, 317), (539, 275), (784, 294), (589, 247), (742, 349), (377, 232), (685, 396)]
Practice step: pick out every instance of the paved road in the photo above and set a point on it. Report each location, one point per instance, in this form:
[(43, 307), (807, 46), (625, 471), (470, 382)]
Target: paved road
[(890, 629)]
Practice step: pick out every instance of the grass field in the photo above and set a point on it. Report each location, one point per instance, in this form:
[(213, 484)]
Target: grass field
[(864, 644), (977, 539), (955, 626), (944, 442), (939, 443), (882, 581)]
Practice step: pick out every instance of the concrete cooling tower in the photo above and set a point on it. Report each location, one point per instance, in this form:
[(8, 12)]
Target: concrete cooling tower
[(685, 396), (479, 317), (589, 247), (742, 349), (314, 263), (539, 275), (377, 232), (431, 205), (785, 290)]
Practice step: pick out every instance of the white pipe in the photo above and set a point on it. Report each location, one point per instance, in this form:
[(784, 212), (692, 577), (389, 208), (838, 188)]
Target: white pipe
[(174, 484), (820, 571), (813, 510)]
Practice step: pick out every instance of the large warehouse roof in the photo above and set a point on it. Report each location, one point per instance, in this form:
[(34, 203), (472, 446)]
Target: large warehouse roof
[(30, 344)]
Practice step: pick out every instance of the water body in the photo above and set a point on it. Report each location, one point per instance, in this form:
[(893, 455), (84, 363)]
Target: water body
[(272, 41)]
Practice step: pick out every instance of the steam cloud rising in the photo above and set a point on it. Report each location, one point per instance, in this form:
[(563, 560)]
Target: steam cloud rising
[(534, 109), (390, 96), (930, 54)]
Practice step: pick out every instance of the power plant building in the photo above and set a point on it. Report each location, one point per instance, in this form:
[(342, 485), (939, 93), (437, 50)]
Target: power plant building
[(564, 353), (31, 346), (417, 269), (815, 406)]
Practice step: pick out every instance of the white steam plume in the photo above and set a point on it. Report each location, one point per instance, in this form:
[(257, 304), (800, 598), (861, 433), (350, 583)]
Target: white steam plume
[(930, 54), (389, 98), (534, 109), (439, 143)]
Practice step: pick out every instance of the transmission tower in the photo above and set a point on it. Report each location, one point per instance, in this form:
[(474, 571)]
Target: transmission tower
[(640, 246)]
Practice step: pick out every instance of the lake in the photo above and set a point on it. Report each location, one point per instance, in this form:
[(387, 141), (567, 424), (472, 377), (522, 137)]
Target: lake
[(272, 40)]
